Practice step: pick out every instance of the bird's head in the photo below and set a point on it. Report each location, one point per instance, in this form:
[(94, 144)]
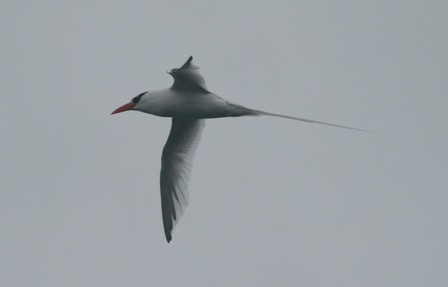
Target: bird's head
[(132, 105)]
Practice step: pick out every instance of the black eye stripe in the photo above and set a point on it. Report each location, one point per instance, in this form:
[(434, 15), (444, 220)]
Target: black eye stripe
[(136, 99), (141, 94)]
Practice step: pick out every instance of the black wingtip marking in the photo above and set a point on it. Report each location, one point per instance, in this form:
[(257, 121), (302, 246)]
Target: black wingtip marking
[(187, 63), (168, 236)]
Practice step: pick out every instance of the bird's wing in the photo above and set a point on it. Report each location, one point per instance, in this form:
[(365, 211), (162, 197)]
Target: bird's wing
[(177, 162), (187, 78)]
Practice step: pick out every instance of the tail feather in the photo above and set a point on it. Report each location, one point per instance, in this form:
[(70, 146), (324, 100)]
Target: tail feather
[(262, 113)]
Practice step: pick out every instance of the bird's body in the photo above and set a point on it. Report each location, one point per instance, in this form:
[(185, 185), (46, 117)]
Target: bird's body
[(189, 105), (188, 102)]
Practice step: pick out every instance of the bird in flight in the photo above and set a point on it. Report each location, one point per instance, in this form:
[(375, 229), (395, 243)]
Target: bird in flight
[(188, 102)]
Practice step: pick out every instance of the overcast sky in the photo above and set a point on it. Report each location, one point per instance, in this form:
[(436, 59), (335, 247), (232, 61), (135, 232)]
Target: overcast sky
[(273, 202)]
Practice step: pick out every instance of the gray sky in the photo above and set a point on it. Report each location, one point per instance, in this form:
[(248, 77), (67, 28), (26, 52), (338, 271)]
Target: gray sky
[(273, 202)]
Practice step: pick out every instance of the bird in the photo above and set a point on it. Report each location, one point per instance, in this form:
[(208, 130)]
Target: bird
[(188, 102)]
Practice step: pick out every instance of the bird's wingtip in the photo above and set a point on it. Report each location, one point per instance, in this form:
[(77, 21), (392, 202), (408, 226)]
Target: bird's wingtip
[(168, 238), (168, 234), (187, 63)]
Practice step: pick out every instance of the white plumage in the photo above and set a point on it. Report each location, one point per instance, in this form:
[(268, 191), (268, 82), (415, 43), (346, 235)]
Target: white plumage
[(188, 102)]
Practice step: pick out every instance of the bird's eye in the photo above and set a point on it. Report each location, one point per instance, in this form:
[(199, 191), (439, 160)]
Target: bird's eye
[(136, 99)]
